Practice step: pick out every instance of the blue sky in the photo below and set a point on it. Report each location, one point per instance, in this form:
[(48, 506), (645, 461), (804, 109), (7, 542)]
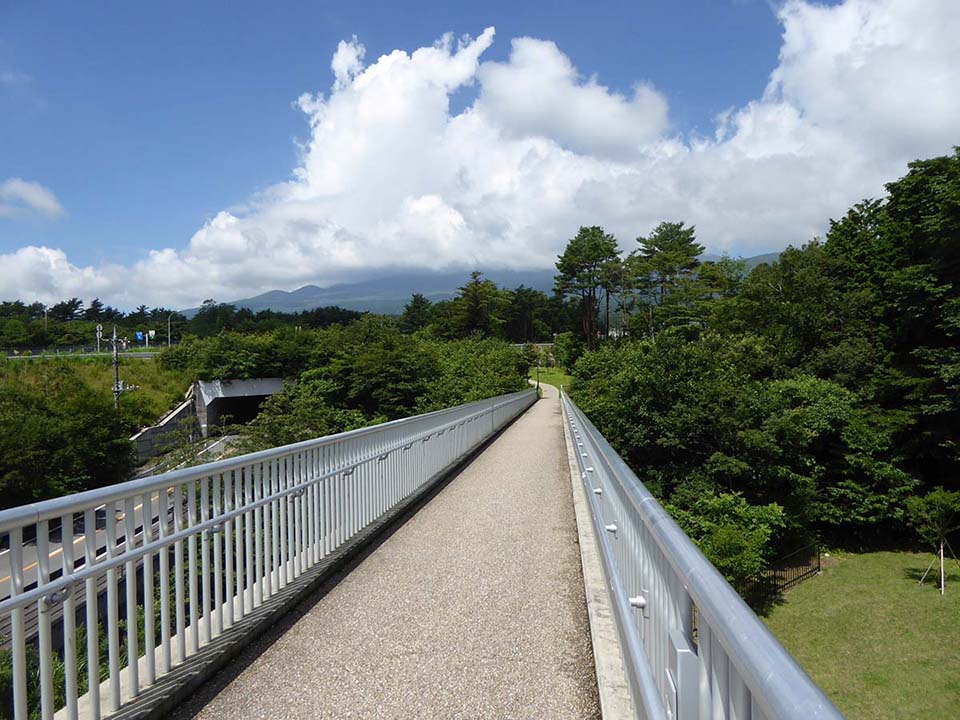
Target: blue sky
[(148, 121)]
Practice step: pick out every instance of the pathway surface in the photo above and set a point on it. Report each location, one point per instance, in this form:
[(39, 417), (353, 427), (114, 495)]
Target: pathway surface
[(473, 608)]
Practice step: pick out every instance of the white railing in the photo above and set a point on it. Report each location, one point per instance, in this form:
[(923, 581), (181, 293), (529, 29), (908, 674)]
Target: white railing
[(196, 550), (693, 649)]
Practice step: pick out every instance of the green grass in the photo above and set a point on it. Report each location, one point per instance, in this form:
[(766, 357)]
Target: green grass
[(552, 376), (879, 645), (158, 390)]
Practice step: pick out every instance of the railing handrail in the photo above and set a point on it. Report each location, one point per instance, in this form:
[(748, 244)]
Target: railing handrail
[(214, 543), (777, 682), (55, 508)]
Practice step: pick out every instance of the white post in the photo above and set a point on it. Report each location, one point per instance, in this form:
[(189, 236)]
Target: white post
[(941, 568)]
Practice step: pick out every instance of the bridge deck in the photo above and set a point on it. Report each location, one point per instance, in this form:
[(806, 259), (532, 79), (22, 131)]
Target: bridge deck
[(474, 607)]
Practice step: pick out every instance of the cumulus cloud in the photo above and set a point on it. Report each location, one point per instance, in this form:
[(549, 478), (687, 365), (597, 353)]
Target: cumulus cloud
[(391, 178), (18, 197)]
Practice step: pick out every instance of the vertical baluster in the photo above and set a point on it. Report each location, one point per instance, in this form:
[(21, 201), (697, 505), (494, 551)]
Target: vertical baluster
[(238, 541), (308, 511), (204, 562), (324, 505), (304, 499), (149, 620), (90, 606), (43, 621), (217, 557), (18, 638), (69, 618), (266, 471), (291, 547), (248, 537), (315, 506), (258, 535), (282, 512), (297, 524), (179, 597), (228, 549), (275, 527), (194, 636), (163, 521), (113, 613), (130, 585)]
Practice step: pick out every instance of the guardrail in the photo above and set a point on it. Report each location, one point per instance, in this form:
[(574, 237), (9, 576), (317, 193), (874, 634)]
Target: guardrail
[(692, 647), (194, 550)]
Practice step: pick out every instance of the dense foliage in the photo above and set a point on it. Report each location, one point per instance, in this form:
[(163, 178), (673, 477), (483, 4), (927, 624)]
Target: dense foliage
[(350, 376), (58, 435), (809, 399), (68, 324)]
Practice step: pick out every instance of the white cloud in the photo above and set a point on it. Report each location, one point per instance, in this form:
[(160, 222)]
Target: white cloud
[(540, 92), (390, 178), (18, 197), (13, 77)]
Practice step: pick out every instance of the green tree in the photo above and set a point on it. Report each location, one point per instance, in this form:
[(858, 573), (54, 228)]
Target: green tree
[(416, 314), (66, 310), (526, 315), (581, 270), (478, 309), (935, 516)]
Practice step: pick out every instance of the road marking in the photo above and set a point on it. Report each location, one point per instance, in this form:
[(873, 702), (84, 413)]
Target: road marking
[(82, 538)]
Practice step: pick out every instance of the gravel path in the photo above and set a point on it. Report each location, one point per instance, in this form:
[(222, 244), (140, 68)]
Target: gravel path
[(473, 608)]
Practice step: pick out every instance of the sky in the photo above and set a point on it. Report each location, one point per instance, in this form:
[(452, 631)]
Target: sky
[(165, 153)]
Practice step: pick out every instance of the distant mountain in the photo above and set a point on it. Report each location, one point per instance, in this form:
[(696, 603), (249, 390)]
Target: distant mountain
[(388, 294), (750, 262)]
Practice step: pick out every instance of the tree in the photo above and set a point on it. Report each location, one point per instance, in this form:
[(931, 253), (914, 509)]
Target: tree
[(478, 309), (581, 274), (66, 310), (416, 314), (94, 311), (526, 315), (671, 252), (934, 516)]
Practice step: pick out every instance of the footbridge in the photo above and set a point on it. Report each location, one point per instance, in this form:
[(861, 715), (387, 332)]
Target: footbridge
[(492, 560)]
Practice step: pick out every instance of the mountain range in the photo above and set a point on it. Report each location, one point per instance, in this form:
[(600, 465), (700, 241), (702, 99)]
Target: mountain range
[(388, 294)]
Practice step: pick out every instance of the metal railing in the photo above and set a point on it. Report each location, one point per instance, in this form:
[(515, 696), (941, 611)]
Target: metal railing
[(692, 647), (765, 585), (181, 557)]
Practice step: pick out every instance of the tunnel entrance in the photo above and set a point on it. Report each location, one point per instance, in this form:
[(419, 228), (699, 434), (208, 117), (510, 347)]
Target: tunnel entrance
[(232, 401)]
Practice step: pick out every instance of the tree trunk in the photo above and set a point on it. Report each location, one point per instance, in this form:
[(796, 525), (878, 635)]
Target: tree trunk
[(606, 323)]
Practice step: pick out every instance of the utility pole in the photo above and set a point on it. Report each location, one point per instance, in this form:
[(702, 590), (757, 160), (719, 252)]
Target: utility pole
[(168, 328), (117, 388)]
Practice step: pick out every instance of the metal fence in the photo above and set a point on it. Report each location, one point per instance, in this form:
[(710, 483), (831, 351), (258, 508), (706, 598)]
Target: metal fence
[(765, 586), (182, 557), (692, 647)]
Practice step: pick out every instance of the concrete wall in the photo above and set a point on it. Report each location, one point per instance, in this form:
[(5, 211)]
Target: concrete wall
[(150, 442)]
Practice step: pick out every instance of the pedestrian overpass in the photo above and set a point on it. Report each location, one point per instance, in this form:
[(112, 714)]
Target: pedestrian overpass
[(496, 559)]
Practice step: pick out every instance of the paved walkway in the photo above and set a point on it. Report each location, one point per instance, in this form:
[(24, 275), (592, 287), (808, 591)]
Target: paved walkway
[(473, 608)]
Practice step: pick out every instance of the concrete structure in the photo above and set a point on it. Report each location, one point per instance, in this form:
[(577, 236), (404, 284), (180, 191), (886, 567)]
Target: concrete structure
[(235, 400), (151, 441)]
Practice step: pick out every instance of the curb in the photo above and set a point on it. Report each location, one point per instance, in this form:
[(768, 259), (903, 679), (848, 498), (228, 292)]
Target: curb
[(616, 702)]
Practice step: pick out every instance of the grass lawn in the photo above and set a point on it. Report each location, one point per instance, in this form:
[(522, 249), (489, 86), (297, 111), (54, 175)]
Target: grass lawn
[(552, 376), (878, 644)]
